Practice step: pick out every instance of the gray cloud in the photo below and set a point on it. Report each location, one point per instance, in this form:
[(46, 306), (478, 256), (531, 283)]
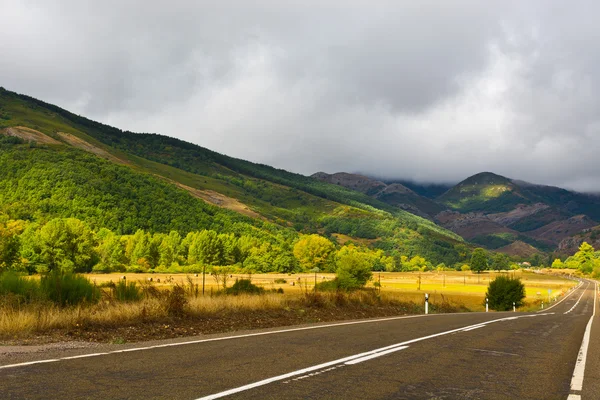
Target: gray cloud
[(421, 90)]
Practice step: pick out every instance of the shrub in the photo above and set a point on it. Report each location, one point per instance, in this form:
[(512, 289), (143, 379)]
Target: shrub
[(244, 286), (127, 291), (503, 291), (65, 289), (23, 289), (280, 280), (328, 286), (176, 302)]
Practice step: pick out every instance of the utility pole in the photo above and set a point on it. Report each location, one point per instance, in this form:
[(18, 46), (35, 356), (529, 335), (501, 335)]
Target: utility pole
[(315, 270), (203, 278)]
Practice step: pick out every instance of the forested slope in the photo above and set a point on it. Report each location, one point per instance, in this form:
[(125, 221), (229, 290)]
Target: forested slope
[(127, 182)]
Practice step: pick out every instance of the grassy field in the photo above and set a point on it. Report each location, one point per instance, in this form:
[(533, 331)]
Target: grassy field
[(461, 288), (151, 317)]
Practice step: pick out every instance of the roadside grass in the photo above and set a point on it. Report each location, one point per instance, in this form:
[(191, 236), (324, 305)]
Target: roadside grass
[(158, 304), (23, 322)]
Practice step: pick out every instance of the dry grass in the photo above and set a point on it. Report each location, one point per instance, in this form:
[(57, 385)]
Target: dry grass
[(41, 318), (399, 294)]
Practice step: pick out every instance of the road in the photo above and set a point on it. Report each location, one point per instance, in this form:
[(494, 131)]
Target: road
[(447, 356)]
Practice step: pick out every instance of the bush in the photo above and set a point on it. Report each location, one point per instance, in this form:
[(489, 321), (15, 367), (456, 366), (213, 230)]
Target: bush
[(67, 289), (127, 291), (328, 286), (503, 291), (244, 286), (280, 280), (176, 302), (24, 290)]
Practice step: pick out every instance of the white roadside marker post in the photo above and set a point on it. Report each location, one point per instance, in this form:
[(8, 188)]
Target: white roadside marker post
[(514, 307), (542, 305), (486, 304), (426, 303)]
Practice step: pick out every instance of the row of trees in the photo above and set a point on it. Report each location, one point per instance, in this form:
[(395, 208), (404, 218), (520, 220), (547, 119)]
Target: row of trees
[(586, 260), (69, 244)]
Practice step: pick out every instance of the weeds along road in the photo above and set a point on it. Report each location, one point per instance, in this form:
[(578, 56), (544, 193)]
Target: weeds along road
[(448, 356)]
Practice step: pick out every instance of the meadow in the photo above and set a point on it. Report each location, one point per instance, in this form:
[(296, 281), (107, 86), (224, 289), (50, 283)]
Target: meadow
[(461, 288), (159, 313)]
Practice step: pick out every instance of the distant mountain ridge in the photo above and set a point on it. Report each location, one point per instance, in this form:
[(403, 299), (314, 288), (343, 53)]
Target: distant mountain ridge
[(490, 209), (394, 194)]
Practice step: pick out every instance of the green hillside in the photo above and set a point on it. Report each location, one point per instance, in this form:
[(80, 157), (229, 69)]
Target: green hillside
[(485, 192), (137, 181)]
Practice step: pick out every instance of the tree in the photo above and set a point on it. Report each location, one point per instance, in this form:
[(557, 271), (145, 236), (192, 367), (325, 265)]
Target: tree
[(10, 244), (206, 249), (503, 291), (67, 245), (353, 268), (585, 257), (500, 262), (479, 261), (110, 251), (314, 251)]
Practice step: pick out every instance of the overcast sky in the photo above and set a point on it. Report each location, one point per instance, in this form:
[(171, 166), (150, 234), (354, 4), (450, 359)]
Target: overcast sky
[(425, 90)]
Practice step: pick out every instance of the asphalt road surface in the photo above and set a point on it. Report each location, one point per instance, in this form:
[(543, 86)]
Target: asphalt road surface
[(551, 354)]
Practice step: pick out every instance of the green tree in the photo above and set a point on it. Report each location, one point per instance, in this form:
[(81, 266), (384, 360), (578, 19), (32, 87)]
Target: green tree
[(479, 260), (353, 268), (111, 252), (169, 249), (67, 245), (206, 249), (500, 262), (314, 251), (585, 258), (503, 291), (10, 244)]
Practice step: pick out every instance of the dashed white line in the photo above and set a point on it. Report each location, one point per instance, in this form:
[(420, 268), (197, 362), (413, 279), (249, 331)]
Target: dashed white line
[(579, 299), (358, 357), (564, 298)]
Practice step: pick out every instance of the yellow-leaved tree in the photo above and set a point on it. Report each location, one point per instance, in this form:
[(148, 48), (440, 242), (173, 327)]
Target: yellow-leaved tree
[(314, 251)]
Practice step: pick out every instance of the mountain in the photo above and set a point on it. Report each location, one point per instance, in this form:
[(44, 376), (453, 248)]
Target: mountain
[(540, 215), (429, 190), (394, 194), (570, 245), (487, 209), (57, 164)]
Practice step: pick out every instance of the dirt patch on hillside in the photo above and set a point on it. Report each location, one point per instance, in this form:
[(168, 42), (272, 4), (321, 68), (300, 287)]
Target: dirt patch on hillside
[(519, 248), (558, 230), (520, 212), (470, 225), (220, 200), (90, 148), (29, 135)]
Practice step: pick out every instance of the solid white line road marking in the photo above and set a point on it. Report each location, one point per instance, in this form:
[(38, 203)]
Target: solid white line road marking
[(382, 353), (579, 371), (564, 298), (577, 302), (347, 360), (159, 346), (473, 328)]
